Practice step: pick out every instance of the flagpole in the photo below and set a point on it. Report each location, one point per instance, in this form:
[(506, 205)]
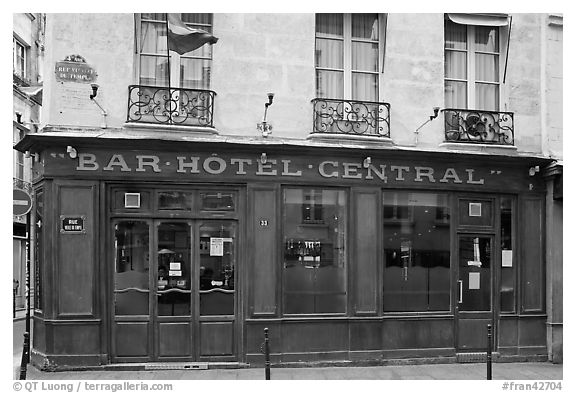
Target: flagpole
[(169, 68)]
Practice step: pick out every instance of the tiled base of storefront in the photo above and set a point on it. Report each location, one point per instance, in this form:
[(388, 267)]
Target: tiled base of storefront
[(459, 358)]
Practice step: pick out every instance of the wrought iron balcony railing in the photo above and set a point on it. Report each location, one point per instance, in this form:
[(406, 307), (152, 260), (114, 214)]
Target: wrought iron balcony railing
[(332, 116), (175, 106), (22, 185), (472, 126)]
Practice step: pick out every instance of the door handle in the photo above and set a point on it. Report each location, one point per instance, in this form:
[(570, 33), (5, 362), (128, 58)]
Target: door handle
[(460, 286)]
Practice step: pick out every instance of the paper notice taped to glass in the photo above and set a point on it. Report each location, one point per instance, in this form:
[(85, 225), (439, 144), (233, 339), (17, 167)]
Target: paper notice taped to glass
[(474, 280)]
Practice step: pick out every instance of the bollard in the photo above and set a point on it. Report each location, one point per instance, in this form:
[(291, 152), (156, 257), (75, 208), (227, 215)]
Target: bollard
[(489, 354), (25, 357), (266, 354)]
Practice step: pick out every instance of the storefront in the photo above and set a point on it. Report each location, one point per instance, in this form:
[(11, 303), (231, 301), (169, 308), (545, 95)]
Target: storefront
[(158, 250)]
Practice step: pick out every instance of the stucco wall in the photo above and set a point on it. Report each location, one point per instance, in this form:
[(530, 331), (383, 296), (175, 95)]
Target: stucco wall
[(261, 53), (106, 41)]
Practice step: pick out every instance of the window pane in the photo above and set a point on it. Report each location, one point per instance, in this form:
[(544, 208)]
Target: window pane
[(198, 19), (218, 201), (153, 16), (364, 87), (174, 200), (364, 56), (173, 276), (131, 287), (417, 252), (455, 94), (475, 254), (455, 65), (487, 68), (329, 84), (195, 73), (153, 38), (486, 39), (329, 53), (507, 272), (314, 271), (486, 97), (153, 70), (365, 26), (329, 25), (455, 36), (217, 266)]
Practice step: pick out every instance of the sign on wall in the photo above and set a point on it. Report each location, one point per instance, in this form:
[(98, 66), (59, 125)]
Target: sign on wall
[(75, 69), (72, 224)]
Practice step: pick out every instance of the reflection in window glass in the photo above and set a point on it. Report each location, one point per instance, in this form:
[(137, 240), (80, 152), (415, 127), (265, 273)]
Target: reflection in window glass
[(314, 266), (507, 270), (173, 278), (131, 268), (417, 252), (218, 201), (217, 264), (175, 200)]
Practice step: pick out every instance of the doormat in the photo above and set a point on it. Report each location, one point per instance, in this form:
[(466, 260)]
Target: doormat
[(471, 357)]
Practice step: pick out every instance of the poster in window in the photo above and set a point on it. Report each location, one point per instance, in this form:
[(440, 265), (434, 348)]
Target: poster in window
[(216, 246)]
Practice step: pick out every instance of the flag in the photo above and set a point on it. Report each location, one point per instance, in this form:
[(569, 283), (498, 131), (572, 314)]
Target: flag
[(183, 39)]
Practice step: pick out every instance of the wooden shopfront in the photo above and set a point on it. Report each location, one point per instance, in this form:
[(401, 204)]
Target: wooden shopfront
[(158, 251)]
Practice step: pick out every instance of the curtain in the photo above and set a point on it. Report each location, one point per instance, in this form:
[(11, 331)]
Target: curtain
[(455, 66)]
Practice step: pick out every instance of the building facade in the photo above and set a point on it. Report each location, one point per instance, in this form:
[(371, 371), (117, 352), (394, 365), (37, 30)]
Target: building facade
[(27, 53), (367, 186)]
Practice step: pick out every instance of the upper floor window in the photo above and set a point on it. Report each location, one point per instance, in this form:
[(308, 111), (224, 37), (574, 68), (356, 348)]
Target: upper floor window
[(18, 157), (472, 66), (158, 67), (19, 58), (348, 48)]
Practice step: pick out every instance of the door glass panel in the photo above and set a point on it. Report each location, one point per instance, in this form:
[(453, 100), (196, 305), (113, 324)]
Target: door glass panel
[(475, 254), (173, 278), (131, 287), (217, 265)]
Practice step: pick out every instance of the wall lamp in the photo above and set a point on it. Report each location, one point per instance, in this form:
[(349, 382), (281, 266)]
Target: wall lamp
[(263, 158), (71, 151), (367, 162), (435, 109), (534, 170), (264, 127), (93, 98), (94, 90)]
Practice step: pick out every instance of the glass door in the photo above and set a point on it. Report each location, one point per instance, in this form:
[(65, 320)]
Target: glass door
[(475, 291), (217, 289), (173, 327), (174, 293)]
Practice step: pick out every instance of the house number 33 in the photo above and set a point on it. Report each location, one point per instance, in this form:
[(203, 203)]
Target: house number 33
[(263, 223)]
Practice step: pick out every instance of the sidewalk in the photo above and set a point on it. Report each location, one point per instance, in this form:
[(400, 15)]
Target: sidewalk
[(453, 371), (476, 371)]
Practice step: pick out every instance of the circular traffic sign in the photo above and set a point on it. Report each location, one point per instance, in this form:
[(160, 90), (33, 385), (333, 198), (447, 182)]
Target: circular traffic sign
[(22, 202)]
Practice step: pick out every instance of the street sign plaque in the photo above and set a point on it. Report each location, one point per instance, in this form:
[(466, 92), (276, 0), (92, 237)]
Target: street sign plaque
[(22, 202)]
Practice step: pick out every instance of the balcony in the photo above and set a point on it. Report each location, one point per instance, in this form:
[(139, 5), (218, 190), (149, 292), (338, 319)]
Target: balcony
[(485, 127), (174, 106), (351, 117)]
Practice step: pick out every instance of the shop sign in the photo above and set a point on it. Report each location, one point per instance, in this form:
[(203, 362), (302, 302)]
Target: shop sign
[(214, 165), (72, 224)]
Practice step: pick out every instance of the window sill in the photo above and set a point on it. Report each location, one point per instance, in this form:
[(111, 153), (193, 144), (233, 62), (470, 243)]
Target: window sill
[(170, 128), (341, 137), (479, 147)]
